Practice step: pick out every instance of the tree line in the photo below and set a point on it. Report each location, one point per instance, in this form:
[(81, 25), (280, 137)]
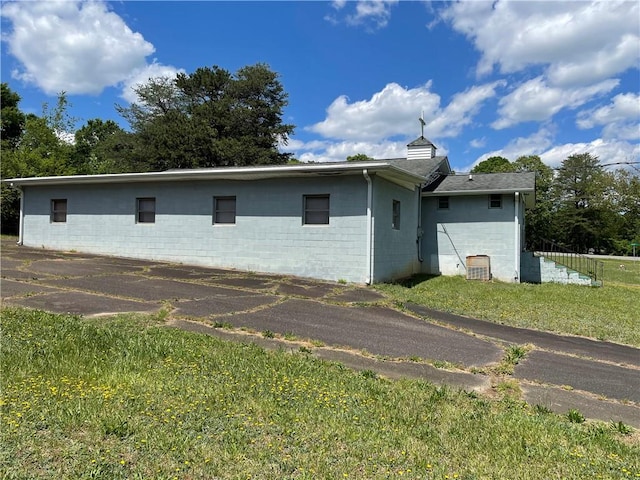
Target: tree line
[(581, 205)]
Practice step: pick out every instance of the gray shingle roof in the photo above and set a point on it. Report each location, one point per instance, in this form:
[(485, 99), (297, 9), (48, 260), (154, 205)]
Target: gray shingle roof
[(420, 142), (422, 167), (484, 183)]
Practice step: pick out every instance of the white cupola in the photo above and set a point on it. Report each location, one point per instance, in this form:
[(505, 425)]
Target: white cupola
[(421, 149)]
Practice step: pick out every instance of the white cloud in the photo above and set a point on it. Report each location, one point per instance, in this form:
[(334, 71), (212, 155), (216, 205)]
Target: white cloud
[(580, 42), (377, 11), (623, 107), (624, 131), (370, 13), (321, 151), (338, 4), (478, 142), (601, 64), (621, 118), (534, 144), (535, 100), (461, 110), (142, 75), (609, 152), (339, 151), (392, 111), (541, 143), (395, 110), (76, 47)]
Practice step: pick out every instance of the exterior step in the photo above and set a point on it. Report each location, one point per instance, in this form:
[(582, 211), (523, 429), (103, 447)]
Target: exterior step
[(536, 268)]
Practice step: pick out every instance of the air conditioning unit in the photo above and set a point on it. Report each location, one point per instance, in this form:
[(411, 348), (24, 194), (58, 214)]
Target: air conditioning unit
[(478, 267)]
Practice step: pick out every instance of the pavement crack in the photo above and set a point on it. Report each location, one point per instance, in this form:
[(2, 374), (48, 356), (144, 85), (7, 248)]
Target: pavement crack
[(259, 308)]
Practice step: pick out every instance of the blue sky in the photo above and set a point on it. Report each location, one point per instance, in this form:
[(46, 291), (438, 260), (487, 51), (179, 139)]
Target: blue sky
[(503, 78)]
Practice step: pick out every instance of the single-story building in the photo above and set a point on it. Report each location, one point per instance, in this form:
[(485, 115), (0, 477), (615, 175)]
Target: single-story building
[(362, 222)]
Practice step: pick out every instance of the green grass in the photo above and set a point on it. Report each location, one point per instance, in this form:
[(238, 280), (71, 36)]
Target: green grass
[(125, 397), (629, 274), (607, 313)]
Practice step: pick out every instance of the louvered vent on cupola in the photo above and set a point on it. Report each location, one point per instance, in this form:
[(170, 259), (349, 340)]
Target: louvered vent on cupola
[(421, 149)]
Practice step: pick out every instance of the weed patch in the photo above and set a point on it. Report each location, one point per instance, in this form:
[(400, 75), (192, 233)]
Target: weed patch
[(513, 355), (124, 398), (575, 416)]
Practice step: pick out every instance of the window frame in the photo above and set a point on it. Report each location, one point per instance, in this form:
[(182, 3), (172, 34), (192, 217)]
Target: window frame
[(495, 197), (218, 212), (307, 212), (396, 214), (141, 214), (441, 201), (58, 214)]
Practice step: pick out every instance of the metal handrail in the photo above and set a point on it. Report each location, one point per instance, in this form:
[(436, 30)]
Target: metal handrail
[(575, 261)]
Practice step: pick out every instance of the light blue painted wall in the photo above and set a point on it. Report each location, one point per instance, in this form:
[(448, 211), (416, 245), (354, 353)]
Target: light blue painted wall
[(470, 227), (395, 251), (268, 235)]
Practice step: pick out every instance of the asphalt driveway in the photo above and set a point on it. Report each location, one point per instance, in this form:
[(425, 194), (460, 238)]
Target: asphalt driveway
[(352, 322)]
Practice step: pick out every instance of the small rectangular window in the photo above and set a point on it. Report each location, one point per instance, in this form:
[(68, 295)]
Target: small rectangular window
[(224, 210), (146, 210), (495, 201), (395, 222), (443, 203), (59, 210), (316, 210)]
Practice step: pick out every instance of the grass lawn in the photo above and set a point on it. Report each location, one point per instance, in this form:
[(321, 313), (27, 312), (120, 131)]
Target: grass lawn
[(124, 397), (608, 313), (621, 271)]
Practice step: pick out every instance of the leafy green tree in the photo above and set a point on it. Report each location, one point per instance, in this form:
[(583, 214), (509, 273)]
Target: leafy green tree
[(209, 118), (42, 149), (493, 165), (160, 129), (42, 152), (95, 147), (58, 118), (359, 157), (581, 189), (157, 97), (12, 118), (533, 163), (626, 206), (580, 181), (539, 219)]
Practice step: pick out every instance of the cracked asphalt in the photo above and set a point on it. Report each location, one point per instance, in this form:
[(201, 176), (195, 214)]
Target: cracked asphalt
[(351, 324)]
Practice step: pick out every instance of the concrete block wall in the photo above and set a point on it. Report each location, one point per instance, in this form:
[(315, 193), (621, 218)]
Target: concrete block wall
[(395, 251), (537, 269), (469, 227), (268, 235)]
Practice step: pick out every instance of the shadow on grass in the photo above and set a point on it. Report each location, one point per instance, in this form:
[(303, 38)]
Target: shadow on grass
[(414, 280)]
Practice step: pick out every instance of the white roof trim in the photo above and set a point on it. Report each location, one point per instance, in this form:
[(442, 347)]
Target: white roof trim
[(382, 168), (454, 193)]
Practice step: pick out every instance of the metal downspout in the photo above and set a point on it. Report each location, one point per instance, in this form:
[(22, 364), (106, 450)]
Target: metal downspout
[(21, 218), (516, 204), (369, 227), (420, 233)]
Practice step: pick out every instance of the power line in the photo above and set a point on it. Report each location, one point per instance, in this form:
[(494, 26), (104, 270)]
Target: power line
[(631, 164), (619, 163)]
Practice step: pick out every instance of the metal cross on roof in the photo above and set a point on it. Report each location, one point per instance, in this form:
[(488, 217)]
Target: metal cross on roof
[(422, 124)]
